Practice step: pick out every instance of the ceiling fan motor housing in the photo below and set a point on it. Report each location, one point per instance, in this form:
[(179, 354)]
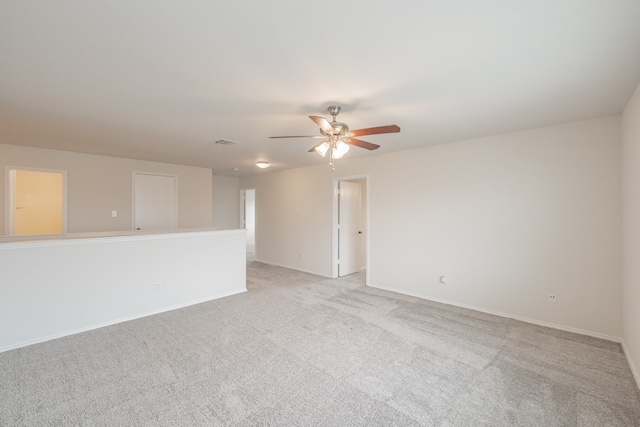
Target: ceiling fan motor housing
[(334, 110), (339, 128)]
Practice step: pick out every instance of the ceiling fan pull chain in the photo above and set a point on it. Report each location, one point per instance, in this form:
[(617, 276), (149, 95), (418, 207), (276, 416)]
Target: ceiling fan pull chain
[(331, 163)]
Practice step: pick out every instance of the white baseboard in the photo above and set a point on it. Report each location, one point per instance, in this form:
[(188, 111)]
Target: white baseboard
[(292, 268), (114, 322), (507, 315), (634, 370)]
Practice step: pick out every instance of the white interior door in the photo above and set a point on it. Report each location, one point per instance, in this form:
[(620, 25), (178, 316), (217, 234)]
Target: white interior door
[(155, 201), (350, 235)]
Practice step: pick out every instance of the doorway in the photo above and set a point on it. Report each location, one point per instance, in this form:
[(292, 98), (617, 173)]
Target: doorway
[(248, 219), (350, 225), (155, 201), (37, 201)]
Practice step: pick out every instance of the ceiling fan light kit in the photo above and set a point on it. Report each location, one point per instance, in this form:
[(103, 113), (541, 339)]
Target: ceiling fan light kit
[(322, 148), (339, 137), (337, 148)]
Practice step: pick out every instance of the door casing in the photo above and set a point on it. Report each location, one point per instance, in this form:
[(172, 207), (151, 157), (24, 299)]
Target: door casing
[(243, 214), (334, 224), (10, 195)]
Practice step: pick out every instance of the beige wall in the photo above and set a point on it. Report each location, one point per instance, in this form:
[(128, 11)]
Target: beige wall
[(98, 185), (226, 192), (631, 229), (293, 215), (507, 218)]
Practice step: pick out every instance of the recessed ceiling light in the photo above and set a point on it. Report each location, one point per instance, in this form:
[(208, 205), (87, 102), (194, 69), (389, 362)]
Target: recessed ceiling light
[(262, 164), (236, 169)]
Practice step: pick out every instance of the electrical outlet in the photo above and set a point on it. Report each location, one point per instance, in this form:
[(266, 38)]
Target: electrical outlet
[(301, 255), (552, 298), (158, 286), (114, 214), (443, 279)]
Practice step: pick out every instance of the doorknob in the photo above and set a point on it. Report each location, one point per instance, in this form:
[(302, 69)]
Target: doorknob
[(359, 232), (138, 228)]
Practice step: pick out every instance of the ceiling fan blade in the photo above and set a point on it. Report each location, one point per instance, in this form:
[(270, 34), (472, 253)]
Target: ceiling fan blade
[(299, 136), (375, 131), (323, 123), (360, 143)]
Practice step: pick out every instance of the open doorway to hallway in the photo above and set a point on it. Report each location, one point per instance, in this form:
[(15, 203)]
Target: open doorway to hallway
[(350, 226), (37, 201), (248, 219)]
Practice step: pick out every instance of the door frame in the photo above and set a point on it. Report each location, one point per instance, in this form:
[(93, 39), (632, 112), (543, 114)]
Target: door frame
[(10, 196), (133, 194), (241, 214), (334, 224), (241, 205)]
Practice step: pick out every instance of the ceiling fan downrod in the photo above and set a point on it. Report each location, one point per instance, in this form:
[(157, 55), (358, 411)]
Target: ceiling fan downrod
[(334, 110), (338, 128)]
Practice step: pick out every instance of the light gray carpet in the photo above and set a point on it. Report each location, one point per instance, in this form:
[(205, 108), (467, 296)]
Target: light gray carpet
[(299, 350)]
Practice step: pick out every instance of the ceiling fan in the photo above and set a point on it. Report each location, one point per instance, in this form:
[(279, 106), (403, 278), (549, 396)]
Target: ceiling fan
[(337, 136)]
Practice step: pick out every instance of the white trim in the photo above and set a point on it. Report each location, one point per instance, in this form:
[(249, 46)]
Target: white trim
[(10, 182), (334, 227), (114, 322), (634, 370), (10, 214), (294, 268), (75, 239), (242, 207), (133, 194), (506, 315), (334, 223), (241, 214)]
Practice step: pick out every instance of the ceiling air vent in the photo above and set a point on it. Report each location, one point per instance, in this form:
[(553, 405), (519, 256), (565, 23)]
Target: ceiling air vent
[(224, 142)]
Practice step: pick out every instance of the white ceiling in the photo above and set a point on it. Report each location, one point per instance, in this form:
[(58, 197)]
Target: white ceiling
[(163, 79)]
